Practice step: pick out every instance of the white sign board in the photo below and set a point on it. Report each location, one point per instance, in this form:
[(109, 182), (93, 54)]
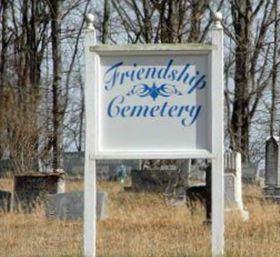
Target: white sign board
[(156, 102)]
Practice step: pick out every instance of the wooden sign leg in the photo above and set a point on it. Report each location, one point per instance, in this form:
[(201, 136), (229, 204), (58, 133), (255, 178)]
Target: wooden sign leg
[(90, 209), (217, 208)]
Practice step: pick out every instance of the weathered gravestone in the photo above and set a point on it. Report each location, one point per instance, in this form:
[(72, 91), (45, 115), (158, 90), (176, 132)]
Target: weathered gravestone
[(73, 164), (249, 172), (170, 179), (158, 180), (233, 184), (150, 180), (70, 206), (230, 193), (31, 190), (272, 168), (5, 201)]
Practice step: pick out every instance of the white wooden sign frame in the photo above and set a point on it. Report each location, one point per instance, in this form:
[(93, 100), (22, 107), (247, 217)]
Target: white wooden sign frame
[(92, 152)]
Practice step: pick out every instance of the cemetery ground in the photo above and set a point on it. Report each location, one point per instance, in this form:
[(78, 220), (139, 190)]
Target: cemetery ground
[(142, 225)]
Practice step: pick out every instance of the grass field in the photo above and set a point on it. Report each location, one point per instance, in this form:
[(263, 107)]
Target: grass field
[(141, 225)]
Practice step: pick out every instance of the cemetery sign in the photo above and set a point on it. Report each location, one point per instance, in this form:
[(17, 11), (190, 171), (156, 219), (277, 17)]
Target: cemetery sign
[(154, 101)]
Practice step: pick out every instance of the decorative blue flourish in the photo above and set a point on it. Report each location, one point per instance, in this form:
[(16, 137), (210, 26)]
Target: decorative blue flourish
[(164, 90)]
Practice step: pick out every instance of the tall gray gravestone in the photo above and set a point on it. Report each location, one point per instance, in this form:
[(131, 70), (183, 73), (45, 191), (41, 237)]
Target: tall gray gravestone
[(272, 168)]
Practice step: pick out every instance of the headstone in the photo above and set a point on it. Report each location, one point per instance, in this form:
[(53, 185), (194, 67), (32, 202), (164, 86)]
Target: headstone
[(158, 180), (233, 184), (73, 164), (230, 190), (150, 180), (249, 172), (272, 174), (31, 190), (272, 168), (5, 201), (70, 206)]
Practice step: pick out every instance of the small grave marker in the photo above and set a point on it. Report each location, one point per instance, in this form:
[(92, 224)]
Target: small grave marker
[(156, 180), (70, 206), (249, 172), (230, 190)]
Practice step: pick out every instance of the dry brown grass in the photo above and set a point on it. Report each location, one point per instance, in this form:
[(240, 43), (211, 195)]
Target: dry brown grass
[(141, 225)]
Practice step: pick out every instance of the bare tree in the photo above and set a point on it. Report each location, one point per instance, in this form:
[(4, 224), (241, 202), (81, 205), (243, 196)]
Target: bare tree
[(274, 69), (55, 8), (250, 78)]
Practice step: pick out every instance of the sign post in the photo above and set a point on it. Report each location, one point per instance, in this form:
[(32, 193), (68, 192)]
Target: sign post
[(217, 74), (162, 101), (90, 162)]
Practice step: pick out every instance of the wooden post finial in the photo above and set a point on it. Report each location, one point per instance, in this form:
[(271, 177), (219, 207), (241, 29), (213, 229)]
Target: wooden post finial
[(89, 20), (218, 20)]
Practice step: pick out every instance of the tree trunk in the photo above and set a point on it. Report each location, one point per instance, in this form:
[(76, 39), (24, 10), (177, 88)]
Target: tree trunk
[(105, 23), (240, 114), (56, 85)]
